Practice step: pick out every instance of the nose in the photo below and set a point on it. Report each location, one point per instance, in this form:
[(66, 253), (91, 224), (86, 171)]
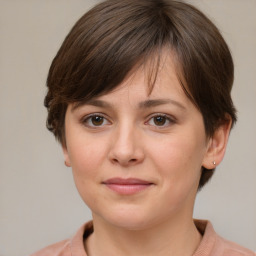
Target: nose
[(126, 147)]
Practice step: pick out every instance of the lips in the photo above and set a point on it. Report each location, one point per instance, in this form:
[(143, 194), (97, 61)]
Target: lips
[(127, 186)]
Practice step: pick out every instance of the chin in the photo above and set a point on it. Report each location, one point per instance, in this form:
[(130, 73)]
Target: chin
[(131, 224), (130, 220)]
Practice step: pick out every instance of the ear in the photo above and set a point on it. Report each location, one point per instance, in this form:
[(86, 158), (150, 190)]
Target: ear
[(217, 145), (66, 156)]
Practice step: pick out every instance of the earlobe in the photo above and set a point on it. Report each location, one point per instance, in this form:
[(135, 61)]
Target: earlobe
[(66, 156), (217, 145)]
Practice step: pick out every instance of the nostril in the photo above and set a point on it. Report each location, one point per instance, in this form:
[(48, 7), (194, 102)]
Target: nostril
[(131, 161)]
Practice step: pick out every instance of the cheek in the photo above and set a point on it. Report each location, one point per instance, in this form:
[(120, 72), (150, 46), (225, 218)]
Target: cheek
[(179, 159), (86, 158), (86, 163), (179, 166), (86, 154)]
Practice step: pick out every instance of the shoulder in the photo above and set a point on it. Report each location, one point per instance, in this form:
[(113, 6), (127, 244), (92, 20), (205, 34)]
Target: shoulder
[(58, 249), (229, 248), (214, 245), (69, 247)]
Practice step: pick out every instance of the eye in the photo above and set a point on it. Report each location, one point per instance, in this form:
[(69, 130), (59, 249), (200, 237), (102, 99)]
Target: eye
[(160, 120), (95, 120)]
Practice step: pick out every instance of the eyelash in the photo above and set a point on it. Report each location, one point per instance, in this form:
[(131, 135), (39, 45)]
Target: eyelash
[(88, 119), (168, 119), (85, 121)]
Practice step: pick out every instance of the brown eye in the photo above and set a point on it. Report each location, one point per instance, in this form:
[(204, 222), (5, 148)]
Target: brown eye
[(159, 120), (97, 120)]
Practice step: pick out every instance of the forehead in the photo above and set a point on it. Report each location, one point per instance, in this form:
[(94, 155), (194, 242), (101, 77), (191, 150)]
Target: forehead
[(140, 90), (157, 76)]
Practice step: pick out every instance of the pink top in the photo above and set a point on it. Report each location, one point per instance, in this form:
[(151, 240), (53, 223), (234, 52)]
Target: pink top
[(211, 244)]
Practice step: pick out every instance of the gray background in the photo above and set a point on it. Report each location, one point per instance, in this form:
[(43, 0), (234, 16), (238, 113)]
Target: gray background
[(39, 204)]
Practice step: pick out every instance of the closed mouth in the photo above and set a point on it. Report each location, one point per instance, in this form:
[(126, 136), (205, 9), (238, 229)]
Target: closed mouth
[(129, 181), (127, 186)]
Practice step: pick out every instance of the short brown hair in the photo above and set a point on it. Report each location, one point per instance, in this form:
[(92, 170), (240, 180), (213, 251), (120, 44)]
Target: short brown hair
[(109, 40)]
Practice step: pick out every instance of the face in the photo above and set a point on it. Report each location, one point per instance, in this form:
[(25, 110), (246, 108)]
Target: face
[(136, 157)]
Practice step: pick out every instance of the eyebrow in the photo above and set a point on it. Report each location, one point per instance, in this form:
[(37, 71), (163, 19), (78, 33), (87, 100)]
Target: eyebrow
[(157, 102), (92, 102), (142, 105)]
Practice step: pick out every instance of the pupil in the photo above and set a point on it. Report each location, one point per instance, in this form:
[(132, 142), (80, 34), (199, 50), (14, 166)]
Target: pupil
[(159, 120), (97, 120)]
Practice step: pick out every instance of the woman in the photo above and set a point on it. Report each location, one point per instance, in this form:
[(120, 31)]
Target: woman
[(139, 98)]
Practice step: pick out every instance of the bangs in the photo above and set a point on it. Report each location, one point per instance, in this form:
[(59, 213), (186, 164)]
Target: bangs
[(96, 66)]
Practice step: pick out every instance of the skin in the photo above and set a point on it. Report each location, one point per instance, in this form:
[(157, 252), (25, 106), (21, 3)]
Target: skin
[(162, 142)]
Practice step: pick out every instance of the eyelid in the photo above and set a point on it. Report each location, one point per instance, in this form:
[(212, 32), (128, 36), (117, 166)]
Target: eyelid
[(170, 118), (87, 117)]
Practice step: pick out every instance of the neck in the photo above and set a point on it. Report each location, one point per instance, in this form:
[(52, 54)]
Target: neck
[(178, 237)]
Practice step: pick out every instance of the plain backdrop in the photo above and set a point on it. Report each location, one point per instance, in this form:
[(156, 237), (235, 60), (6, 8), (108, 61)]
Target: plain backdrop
[(39, 204)]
